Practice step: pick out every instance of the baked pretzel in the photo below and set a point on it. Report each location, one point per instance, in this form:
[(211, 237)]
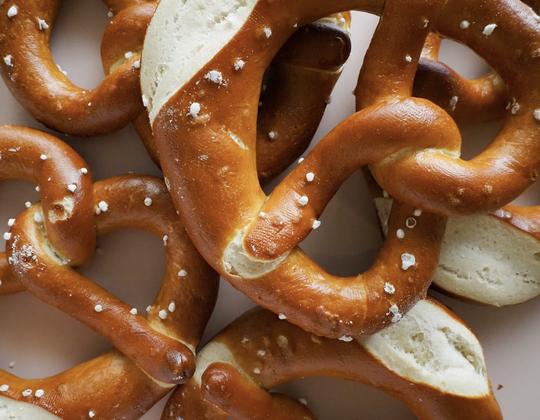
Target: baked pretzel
[(295, 92), (416, 158), (177, 317), (430, 360), (493, 259), (36, 81)]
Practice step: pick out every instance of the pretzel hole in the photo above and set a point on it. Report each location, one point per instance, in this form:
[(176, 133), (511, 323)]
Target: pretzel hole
[(130, 264), (81, 49), (345, 249), (63, 342), (11, 193), (463, 59)]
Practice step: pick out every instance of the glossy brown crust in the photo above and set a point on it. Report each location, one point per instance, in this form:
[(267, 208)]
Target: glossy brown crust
[(153, 344), (298, 84), (526, 219), (40, 86), (43, 159), (311, 298), (289, 353), (445, 184)]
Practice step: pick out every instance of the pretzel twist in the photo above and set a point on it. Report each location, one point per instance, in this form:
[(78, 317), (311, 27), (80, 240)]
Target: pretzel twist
[(416, 158), (65, 185), (155, 348), (258, 352)]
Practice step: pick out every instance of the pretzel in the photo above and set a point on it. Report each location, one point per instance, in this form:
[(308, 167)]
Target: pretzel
[(431, 361), (296, 91), (177, 317), (490, 258), (41, 86), (290, 284)]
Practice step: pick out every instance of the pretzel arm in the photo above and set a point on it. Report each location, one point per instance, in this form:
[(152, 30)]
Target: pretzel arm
[(45, 91), (258, 350)]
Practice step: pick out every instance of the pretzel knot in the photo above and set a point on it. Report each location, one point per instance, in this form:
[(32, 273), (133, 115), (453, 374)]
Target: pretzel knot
[(157, 350), (258, 352)]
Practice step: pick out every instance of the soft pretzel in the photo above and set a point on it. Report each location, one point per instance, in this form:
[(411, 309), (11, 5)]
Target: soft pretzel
[(112, 386), (203, 147), (33, 77), (416, 153), (48, 277), (295, 92), (430, 360), (492, 259)]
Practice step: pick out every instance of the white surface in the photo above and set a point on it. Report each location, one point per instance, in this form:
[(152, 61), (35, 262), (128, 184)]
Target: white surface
[(42, 341)]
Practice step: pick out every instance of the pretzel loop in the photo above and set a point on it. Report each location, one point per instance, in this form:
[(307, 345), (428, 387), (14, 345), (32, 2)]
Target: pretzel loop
[(437, 180), (45, 91), (161, 345), (47, 277), (65, 186)]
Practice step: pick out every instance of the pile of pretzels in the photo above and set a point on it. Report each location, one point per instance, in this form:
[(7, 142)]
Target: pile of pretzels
[(227, 95)]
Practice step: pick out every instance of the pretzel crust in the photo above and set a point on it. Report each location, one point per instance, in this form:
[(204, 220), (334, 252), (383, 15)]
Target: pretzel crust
[(259, 352), (86, 387)]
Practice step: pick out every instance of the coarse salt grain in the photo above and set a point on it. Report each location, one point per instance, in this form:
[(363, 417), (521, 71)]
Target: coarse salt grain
[(316, 224), (162, 314), (310, 176), (194, 110), (389, 288), (239, 64), (407, 261), (98, 308), (345, 338), (282, 316), (303, 200), (489, 29), (42, 24), (12, 11), (8, 60), (464, 24), (147, 201)]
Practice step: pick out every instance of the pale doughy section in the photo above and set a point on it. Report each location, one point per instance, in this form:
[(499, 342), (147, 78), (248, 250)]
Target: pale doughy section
[(429, 346), (483, 258), (183, 36), (16, 410)]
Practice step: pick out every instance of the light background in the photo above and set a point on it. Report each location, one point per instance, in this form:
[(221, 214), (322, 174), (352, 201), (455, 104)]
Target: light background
[(42, 341)]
